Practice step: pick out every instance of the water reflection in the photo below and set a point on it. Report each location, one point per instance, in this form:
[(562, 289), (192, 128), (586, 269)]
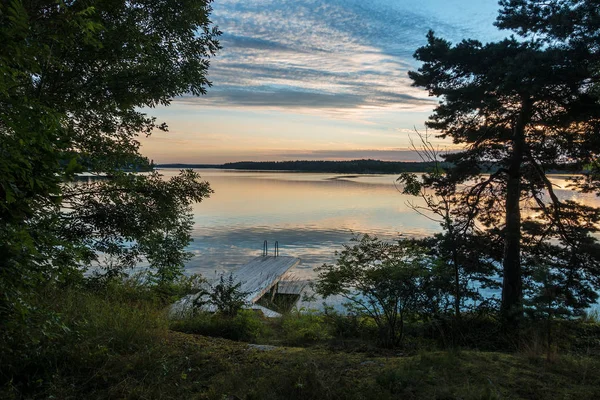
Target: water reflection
[(311, 215)]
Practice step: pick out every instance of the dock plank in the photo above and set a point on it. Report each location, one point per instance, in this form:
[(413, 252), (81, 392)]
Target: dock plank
[(262, 273), (291, 286)]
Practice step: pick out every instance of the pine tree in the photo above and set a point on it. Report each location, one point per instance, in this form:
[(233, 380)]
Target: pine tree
[(520, 108)]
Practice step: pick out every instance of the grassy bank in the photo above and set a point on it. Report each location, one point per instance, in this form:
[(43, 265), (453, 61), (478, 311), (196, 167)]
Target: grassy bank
[(118, 344)]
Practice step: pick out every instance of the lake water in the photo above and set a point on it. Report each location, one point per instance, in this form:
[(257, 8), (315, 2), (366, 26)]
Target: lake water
[(311, 215)]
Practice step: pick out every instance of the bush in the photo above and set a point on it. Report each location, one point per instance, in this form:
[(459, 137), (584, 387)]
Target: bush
[(225, 296), (302, 328), (350, 326), (85, 329), (384, 282), (137, 287), (246, 325)]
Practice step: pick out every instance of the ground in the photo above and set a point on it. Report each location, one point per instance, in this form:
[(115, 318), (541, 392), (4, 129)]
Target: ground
[(119, 348), (199, 367)]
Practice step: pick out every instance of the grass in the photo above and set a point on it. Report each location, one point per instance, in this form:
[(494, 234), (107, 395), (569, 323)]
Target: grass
[(118, 344), (246, 326), (195, 367)]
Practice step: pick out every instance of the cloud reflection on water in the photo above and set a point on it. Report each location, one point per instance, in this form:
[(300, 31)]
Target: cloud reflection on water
[(310, 215)]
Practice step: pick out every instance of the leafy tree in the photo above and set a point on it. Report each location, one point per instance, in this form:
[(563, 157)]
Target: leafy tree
[(386, 282), (524, 107), (75, 78)]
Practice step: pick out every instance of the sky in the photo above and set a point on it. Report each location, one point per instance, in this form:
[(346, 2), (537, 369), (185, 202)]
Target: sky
[(314, 80)]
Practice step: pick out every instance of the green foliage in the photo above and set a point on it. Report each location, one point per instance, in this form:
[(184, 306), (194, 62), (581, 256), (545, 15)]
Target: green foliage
[(387, 282), (309, 374), (350, 325), (76, 328), (246, 325), (571, 22), (116, 345), (74, 79), (225, 296), (302, 327), (465, 257), (140, 287), (475, 330), (561, 276)]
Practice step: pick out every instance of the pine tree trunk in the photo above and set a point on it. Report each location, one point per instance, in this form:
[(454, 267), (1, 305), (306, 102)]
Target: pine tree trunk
[(512, 295), (457, 294)]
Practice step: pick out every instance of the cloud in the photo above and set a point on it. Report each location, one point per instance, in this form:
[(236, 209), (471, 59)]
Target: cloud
[(245, 42), (293, 98), (314, 54)]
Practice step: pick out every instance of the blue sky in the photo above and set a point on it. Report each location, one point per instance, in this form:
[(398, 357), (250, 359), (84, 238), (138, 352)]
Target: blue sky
[(314, 79)]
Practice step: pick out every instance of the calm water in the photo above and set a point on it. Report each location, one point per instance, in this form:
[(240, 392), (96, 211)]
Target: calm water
[(310, 215)]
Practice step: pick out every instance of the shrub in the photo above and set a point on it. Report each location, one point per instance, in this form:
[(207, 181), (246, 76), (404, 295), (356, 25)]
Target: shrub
[(138, 288), (302, 327), (225, 296), (87, 328), (383, 281), (246, 325), (349, 325)]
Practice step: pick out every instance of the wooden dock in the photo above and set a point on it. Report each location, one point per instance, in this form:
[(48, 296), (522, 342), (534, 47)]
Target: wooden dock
[(262, 274), (257, 278)]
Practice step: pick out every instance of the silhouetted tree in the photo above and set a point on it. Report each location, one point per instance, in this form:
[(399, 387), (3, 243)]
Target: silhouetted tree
[(464, 252), (525, 106)]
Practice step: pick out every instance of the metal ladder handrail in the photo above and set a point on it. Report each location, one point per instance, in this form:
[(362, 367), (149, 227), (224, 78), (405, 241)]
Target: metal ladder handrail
[(266, 249)]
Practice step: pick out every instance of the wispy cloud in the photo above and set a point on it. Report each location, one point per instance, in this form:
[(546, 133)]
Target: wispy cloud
[(338, 55), (314, 79), (295, 98)]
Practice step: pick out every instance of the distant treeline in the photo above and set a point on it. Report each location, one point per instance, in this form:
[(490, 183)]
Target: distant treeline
[(354, 166), (346, 167)]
